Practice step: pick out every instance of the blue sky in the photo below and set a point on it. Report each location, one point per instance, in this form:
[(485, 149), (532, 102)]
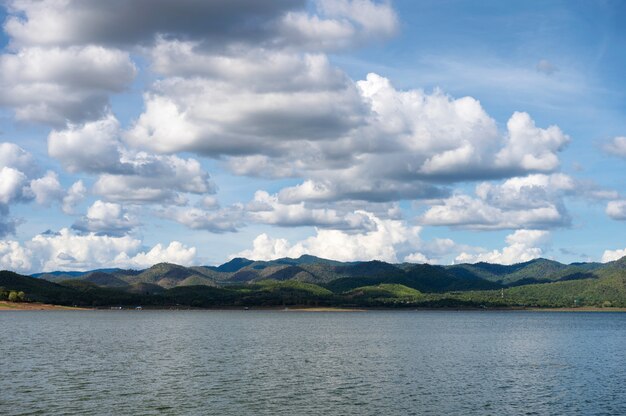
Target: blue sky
[(430, 131)]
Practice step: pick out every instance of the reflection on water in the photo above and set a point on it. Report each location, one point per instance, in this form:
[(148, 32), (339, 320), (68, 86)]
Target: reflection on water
[(291, 363)]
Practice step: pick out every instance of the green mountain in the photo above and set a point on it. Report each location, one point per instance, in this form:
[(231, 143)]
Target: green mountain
[(310, 280), (534, 271)]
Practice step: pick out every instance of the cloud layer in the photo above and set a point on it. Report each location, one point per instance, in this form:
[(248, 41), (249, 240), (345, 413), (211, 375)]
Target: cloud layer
[(147, 105), (66, 250)]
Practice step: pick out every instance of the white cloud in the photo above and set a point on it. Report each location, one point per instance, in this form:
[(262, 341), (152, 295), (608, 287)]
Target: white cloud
[(175, 252), (268, 209), (68, 251), (612, 255), (15, 187), (339, 24), (90, 147), (382, 243), (74, 196), (249, 84), (616, 209), (374, 18), (529, 148), (261, 70), (418, 257), (126, 175), (439, 250), (533, 201), (362, 141), (106, 218), (53, 85), (13, 156), (218, 117), (14, 257), (214, 220), (466, 212), (120, 22), (617, 146), (522, 245), (12, 183), (19, 184), (47, 189), (155, 179), (532, 191)]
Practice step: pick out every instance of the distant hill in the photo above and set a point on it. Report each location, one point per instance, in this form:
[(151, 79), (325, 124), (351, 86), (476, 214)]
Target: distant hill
[(533, 271), (312, 280)]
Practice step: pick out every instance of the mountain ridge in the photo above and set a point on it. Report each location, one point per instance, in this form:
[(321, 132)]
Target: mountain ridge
[(310, 280)]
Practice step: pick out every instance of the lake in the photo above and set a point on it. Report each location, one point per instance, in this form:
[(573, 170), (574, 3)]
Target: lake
[(322, 363)]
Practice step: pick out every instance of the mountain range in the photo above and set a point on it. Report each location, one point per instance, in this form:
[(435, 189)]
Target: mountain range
[(313, 280)]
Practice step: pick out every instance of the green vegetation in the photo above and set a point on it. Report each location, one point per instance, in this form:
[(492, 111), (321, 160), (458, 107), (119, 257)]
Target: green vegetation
[(384, 294), (14, 296), (310, 281)]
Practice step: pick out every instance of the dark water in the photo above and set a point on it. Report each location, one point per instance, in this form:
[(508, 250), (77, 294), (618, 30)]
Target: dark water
[(295, 363)]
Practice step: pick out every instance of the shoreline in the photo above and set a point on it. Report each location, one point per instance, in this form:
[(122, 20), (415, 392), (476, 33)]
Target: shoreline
[(580, 309), (28, 306), (36, 306)]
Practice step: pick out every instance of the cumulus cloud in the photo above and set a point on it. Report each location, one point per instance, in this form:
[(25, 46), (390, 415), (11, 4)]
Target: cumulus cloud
[(124, 23), (13, 156), (155, 179), (268, 209), (16, 167), (617, 146), (66, 250), (363, 140), (74, 196), (216, 117), (616, 210), (534, 201), (249, 84), (339, 24), (126, 175), (359, 187), (465, 212), (46, 189), (175, 252), (12, 183), (106, 218), (326, 25), (255, 68), (18, 186), (13, 187), (612, 255), (418, 257), (211, 218), (14, 257), (530, 148), (90, 147), (20, 183), (522, 245), (53, 85), (382, 242), (439, 250)]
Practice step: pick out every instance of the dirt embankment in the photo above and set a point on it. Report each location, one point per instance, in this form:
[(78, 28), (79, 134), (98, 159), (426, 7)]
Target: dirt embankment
[(27, 306)]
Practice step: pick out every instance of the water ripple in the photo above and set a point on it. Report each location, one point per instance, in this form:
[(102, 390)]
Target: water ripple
[(276, 363)]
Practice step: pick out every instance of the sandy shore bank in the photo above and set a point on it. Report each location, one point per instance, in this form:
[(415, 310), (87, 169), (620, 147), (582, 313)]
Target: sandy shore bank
[(323, 310), (23, 306), (581, 309)]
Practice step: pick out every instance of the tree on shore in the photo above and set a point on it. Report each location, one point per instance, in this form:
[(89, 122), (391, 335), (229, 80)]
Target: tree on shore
[(16, 296)]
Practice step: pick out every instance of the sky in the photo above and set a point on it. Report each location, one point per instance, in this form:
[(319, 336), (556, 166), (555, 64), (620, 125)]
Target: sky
[(192, 132)]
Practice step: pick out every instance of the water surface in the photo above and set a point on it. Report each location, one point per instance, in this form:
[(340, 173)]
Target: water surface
[(294, 363)]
